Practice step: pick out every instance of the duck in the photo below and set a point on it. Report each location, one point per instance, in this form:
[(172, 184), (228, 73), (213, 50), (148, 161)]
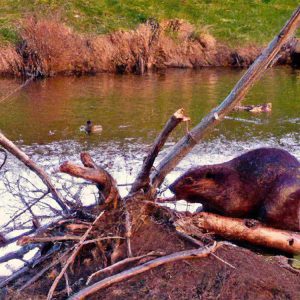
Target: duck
[(267, 107), (91, 128)]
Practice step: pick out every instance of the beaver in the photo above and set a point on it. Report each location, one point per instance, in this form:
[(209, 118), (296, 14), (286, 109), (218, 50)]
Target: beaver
[(262, 184)]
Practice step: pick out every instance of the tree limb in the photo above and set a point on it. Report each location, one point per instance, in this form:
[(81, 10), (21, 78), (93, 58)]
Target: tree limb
[(27, 161), (142, 181), (240, 229)]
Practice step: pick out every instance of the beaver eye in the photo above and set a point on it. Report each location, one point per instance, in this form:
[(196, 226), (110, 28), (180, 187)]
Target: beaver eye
[(209, 176), (188, 180)]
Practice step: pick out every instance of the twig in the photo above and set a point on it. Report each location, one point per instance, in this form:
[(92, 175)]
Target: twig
[(142, 181), (122, 263), (36, 239), (4, 159), (43, 271), (72, 257), (128, 233), (188, 254)]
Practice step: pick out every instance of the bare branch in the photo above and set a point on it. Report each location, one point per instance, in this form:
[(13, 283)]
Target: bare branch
[(18, 153), (142, 181)]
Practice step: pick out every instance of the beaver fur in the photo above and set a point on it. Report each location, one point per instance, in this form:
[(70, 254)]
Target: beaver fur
[(262, 183)]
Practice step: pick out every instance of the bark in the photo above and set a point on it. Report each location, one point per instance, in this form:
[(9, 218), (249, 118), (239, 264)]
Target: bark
[(186, 144), (19, 154), (240, 229)]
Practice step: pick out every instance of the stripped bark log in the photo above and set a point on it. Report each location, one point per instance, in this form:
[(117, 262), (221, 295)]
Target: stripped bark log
[(188, 254), (186, 144), (104, 181), (24, 158), (240, 229), (143, 179)]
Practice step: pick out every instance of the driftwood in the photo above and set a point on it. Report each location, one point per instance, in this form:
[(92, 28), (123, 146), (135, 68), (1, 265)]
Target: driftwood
[(104, 181), (122, 264), (143, 179), (188, 254), (24, 158), (187, 143), (239, 229)]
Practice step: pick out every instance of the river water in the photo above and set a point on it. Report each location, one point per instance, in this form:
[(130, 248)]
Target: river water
[(44, 119)]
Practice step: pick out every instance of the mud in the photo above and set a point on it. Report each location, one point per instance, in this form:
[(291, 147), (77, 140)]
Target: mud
[(253, 275), (50, 47)]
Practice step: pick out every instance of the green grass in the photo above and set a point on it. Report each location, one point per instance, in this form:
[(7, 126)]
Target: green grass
[(237, 22)]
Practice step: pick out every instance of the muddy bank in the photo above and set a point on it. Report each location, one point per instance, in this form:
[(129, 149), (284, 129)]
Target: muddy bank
[(49, 47), (240, 274)]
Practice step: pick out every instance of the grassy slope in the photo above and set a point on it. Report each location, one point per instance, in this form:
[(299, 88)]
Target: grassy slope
[(234, 21)]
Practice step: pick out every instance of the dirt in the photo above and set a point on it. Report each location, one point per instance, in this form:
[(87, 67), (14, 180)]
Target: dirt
[(48, 47), (252, 275)]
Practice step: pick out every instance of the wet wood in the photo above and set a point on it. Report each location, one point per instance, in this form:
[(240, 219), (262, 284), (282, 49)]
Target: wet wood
[(187, 143), (239, 229), (94, 173), (143, 179), (27, 161)]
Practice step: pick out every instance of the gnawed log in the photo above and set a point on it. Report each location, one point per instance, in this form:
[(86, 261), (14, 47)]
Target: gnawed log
[(187, 143), (239, 229), (27, 161), (92, 172), (143, 179)]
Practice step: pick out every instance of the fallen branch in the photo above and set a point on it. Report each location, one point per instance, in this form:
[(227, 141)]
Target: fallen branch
[(34, 239), (143, 180), (121, 264), (72, 257), (24, 158), (239, 229), (187, 143), (91, 172), (188, 254)]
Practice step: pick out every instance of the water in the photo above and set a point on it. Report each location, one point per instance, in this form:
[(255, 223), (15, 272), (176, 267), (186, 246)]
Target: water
[(44, 120)]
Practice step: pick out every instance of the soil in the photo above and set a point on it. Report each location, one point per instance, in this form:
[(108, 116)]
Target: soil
[(254, 277), (48, 48)]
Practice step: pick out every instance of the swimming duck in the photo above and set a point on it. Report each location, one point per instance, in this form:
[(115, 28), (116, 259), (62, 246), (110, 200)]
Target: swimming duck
[(90, 128), (267, 107)]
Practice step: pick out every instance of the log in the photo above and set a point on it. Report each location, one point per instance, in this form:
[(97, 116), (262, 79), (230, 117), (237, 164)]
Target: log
[(27, 161), (92, 172), (244, 230), (187, 143), (143, 179)]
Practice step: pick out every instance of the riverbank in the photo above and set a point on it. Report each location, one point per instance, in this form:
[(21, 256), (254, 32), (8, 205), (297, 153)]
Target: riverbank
[(47, 48)]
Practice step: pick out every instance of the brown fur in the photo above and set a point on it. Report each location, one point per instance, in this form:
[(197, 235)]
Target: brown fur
[(263, 183)]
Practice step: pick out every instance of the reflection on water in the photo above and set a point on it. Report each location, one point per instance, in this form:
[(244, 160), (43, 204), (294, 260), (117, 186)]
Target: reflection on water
[(44, 119)]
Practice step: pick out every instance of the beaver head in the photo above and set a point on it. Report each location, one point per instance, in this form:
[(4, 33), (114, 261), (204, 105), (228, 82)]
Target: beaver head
[(213, 186)]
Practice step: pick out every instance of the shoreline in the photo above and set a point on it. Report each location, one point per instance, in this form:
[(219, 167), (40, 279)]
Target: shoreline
[(48, 48)]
